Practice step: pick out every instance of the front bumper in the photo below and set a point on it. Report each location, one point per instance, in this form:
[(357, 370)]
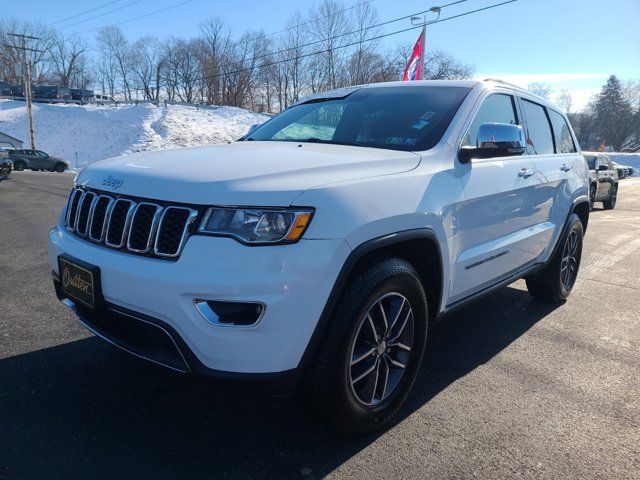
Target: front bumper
[(292, 281)]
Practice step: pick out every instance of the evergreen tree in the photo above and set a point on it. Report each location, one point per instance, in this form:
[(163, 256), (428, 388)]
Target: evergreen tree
[(614, 116)]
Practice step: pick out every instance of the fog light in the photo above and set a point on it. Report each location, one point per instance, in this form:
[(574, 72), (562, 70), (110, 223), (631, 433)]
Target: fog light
[(230, 314)]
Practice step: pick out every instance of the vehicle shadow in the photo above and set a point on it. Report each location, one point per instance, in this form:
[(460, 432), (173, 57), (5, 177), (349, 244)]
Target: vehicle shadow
[(84, 409)]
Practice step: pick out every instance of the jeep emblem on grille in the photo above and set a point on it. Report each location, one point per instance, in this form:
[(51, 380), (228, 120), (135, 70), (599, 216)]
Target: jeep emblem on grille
[(112, 182)]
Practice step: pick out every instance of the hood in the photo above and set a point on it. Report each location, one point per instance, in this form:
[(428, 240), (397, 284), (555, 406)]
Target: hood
[(241, 173)]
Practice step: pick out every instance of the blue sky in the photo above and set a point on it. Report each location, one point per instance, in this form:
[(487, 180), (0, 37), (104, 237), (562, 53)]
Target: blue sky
[(573, 44)]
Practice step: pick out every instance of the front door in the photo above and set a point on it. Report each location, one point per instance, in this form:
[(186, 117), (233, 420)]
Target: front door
[(494, 223)]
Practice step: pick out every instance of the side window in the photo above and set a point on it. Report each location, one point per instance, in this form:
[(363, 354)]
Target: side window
[(564, 141), (496, 108), (538, 130)]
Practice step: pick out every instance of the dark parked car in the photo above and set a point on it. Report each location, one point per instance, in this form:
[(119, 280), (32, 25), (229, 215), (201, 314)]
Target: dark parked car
[(17, 90), (81, 94), (51, 92), (5, 89), (623, 171), (36, 160), (603, 180), (6, 165)]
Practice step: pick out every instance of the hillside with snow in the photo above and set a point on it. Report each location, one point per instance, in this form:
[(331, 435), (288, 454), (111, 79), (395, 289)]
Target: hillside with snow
[(88, 133)]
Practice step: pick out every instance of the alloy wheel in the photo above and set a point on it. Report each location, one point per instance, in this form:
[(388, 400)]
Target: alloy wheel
[(381, 349), (569, 263)]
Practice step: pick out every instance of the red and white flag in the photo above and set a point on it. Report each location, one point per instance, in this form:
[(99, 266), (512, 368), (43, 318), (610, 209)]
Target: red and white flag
[(413, 70)]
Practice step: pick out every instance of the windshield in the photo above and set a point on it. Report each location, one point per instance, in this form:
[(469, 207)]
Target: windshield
[(591, 161), (398, 118)]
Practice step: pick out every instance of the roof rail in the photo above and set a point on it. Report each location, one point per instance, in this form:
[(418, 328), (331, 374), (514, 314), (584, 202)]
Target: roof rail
[(497, 80)]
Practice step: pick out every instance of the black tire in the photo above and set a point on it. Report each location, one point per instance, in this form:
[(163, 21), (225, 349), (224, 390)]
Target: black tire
[(60, 167), (610, 203), (18, 166), (34, 169), (592, 196), (552, 284), (329, 384)]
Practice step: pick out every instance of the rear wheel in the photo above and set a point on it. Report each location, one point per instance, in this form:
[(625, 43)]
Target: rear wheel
[(610, 203), (592, 196), (555, 282), (372, 349), (18, 166)]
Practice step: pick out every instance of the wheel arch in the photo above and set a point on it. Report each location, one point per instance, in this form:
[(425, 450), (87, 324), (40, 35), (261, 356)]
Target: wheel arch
[(581, 208), (420, 247)]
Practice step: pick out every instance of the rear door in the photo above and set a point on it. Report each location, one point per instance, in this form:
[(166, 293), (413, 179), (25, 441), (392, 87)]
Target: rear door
[(495, 220), (551, 146)]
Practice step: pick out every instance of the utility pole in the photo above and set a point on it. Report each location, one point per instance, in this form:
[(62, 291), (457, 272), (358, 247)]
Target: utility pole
[(26, 70)]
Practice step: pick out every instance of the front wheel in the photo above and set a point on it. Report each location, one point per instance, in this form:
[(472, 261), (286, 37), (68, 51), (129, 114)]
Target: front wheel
[(610, 203), (369, 357), (555, 282)]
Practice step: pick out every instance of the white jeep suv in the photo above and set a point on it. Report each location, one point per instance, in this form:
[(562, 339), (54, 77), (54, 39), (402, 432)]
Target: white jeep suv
[(316, 251)]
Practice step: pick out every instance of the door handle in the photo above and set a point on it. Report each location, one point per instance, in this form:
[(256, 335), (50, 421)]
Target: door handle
[(526, 172), (565, 167)]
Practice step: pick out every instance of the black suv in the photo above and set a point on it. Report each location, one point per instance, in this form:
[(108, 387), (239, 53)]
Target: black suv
[(81, 94), (51, 92), (36, 160), (5, 89), (603, 180)]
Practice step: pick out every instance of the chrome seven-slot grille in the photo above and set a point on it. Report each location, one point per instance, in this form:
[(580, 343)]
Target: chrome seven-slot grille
[(132, 225)]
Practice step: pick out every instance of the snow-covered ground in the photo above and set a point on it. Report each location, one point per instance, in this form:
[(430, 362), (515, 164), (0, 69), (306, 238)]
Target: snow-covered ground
[(88, 133)]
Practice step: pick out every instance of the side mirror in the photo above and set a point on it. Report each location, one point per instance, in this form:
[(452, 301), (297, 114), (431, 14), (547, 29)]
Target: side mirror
[(495, 140), (602, 168)]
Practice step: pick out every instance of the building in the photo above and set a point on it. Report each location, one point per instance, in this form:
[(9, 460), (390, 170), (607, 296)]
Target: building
[(7, 141)]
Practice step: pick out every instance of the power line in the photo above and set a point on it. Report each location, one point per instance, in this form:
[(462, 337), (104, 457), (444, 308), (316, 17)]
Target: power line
[(319, 18), (103, 14), (209, 77), (370, 27), (139, 17), (85, 12)]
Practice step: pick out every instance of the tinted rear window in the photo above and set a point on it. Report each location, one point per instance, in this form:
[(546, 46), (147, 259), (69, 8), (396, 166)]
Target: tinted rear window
[(538, 130), (564, 140)]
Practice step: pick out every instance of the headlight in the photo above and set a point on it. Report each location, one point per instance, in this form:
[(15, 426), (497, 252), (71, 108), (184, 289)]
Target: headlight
[(257, 226)]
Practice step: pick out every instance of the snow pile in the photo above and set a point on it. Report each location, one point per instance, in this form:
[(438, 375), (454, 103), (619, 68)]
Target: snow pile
[(88, 133), (629, 159)]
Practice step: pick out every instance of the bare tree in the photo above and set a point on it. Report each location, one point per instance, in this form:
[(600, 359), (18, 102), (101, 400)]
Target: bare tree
[(146, 66), (115, 59), (181, 66), (216, 52), (363, 62), (11, 59), (565, 101), (68, 60), (328, 24)]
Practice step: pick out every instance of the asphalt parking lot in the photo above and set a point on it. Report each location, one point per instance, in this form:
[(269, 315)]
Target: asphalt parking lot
[(510, 387)]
